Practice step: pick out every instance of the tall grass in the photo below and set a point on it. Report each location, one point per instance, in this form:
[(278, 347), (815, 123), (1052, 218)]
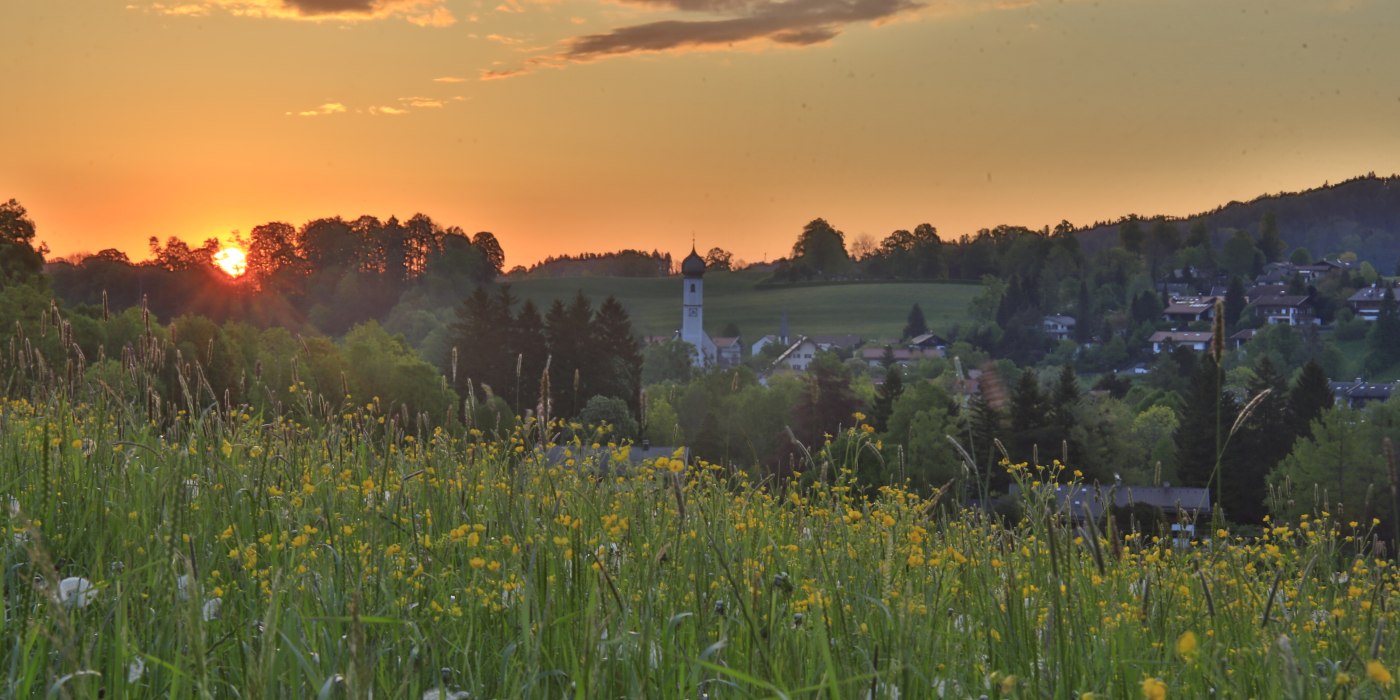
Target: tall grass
[(349, 558)]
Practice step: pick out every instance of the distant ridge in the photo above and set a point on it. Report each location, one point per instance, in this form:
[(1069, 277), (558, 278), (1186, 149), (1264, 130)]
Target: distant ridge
[(622, 263), (1361, 215)]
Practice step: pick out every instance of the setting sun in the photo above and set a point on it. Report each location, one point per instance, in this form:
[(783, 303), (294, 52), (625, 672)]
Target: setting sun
[(231, 261)]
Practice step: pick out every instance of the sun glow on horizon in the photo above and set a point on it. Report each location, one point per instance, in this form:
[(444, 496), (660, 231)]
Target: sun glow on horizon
[(232, 261)]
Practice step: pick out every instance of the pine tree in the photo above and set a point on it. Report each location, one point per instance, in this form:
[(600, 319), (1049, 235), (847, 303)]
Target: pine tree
[(1383, 340), (915, 325), (1234, 301), (1310, 397), (528, 353), (1206, 419), (620, 365), (1028, 415), (1259, 445), (1084, 312), (885, 398), (1065, 399)]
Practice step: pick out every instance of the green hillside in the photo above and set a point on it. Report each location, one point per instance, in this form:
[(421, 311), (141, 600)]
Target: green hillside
[(872, 310)]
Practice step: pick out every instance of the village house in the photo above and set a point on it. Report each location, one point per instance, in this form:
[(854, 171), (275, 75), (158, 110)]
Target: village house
[(928, 341), (1366, 303), (1358, 393), (1288, 310), (842, 343), (874, 357), (1058, 327), (1240, 337), (1164, 341), (1177, 503), (798, 355), (1185, 310), (729, 351)]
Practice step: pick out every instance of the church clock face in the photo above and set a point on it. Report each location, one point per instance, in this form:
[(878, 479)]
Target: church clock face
[(692, 311)]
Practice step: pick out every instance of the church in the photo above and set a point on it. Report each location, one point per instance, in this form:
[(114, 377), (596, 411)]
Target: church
[(693, 310)]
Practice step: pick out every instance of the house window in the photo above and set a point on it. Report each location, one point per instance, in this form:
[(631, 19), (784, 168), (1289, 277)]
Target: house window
[(692, 287)]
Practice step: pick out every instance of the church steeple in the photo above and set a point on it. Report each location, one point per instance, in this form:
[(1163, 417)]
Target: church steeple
[(693, 308), (693, 265)]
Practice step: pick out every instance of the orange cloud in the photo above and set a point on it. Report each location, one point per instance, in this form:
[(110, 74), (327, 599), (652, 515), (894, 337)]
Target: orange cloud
[(424, 13), (327, 108)]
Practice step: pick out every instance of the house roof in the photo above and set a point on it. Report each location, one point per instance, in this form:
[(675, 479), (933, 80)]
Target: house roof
[(1084, 500), (1180, 337), (927, 339), (843, 340), (1189, 306), (1283, 300), (875, 354), (1373, 294), (1245, 334), (1061, 320), (725, 341), (1362, 390)]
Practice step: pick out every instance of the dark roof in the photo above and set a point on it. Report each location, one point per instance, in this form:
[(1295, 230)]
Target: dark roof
[(1283, 300), (843, 340), (1180, 337), (693, 265), (1083, 500), (1373, 294)]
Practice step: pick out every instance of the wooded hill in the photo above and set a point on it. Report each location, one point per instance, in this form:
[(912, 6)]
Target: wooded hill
[(1361, 216)]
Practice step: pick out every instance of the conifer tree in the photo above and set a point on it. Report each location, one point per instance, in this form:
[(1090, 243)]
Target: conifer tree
[(885, 397), (915, 325), (1310, 397)]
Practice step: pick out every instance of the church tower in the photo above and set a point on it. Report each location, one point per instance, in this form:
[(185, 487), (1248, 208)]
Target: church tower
[(693, 309)]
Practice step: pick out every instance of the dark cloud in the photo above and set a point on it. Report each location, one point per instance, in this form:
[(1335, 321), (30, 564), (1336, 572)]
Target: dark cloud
[(331, 7), (792, 22)]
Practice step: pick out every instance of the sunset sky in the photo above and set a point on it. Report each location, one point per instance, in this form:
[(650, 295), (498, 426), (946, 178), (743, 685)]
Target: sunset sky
[(587, 125)]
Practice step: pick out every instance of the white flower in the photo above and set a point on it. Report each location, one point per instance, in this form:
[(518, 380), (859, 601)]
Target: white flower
[(211, 609), (182, 587), (436, 694), (135, 670), (76, 592)]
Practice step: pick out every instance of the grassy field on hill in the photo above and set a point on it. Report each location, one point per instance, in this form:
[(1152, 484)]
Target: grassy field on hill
[(874, 310)]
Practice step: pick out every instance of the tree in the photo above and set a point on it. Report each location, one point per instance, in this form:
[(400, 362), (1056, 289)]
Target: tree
[(1130, 235), (827, 403), (1064, 399), (529, 350), (1310, 397), (609, 419), (885, 398), (719, 259), (821, 248), (1234, 300), (619, 356), (1260, 445), (1206, 419), (914, 324), (480, 338), (1340, 468), (1241, 256), (671, 361), (1269, 242), (1029, 424), (486, 242), (1383, 340), (20, 261)]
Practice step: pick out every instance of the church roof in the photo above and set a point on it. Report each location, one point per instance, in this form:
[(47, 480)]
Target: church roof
[(693, 265)]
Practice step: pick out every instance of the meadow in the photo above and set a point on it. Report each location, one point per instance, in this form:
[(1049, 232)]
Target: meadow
[(871, 310), (346, 550)]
